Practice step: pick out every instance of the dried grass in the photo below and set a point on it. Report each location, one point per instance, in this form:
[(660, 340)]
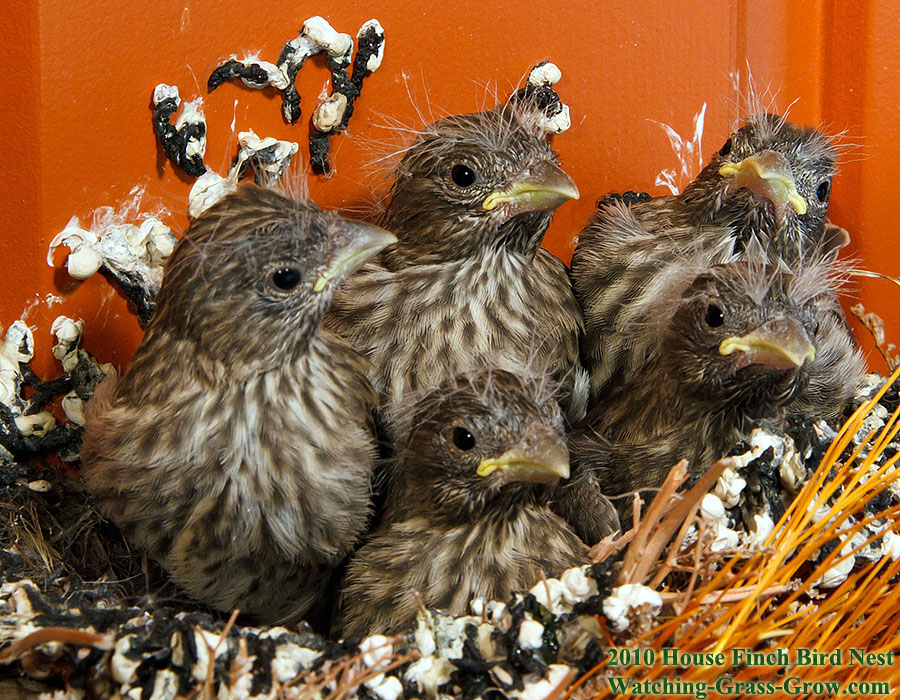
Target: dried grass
[(771, 597)]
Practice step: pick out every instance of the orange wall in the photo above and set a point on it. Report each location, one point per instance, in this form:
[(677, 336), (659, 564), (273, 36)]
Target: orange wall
[(77, 132)]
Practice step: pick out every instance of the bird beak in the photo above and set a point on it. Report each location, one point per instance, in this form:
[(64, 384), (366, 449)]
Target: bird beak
[(541, 456), (781, 343), (542, 187), (363, 241), (767, 174)]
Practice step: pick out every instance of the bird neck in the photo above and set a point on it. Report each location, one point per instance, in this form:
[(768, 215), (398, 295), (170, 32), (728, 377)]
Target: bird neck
[(478, 278), (523, 234), (454, 505), (652, 406), (519, 235), (514, 521), (490, 557), (659, 408), (147, 379), (759, 232)]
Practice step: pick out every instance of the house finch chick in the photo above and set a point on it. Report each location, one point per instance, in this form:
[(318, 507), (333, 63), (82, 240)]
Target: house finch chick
[(238, 447), (467, 514), (467, 285), (472, 183), (763, 196), (770, 182), (740, 342)]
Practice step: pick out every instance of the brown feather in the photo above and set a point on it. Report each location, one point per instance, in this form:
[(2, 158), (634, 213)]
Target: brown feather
[(238, 447), (448, 533)]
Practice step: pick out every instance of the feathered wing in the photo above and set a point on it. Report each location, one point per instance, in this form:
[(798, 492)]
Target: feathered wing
[(563, 318), (232, 517), (625, 268)]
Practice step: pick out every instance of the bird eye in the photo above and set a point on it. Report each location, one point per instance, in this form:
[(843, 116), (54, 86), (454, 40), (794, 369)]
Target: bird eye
[(286, 278), (823, 190), (715, 317), (726, 149), (463, 439), (462, 175)]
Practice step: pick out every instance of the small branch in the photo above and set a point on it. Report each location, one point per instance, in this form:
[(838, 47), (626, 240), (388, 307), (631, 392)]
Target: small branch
[(208, 685), (66, 635), (875, 325), (733, 595), (668, 511)]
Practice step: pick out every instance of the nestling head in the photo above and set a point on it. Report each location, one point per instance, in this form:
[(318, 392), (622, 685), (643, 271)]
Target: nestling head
[(476, 181), (254, 275), (744, 335), (779, 169), (482, 440)]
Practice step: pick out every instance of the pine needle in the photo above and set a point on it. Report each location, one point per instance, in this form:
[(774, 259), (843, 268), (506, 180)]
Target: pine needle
[(773, 598)]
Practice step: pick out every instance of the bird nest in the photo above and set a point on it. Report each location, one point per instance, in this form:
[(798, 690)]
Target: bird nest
[(684, 598)]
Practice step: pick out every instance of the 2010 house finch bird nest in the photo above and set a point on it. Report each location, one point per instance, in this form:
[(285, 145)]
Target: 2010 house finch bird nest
[(789, 542)]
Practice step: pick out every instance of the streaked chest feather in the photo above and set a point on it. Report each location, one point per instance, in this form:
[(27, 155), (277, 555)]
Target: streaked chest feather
[(499, 310), (491, 557)]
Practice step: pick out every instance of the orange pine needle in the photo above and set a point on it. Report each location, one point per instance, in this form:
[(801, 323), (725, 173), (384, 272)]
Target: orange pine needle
[(771, 595)]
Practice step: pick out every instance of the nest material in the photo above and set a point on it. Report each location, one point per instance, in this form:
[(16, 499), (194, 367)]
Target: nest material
[(51, 534), (76, 614), (131, 652)]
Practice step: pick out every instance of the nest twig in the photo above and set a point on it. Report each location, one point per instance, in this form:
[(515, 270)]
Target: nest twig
[(875, 325), (774, 598)]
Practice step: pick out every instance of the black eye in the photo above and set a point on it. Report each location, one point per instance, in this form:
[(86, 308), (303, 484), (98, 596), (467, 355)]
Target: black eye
[(823, 190), (286, 278), (726, 149), (462, 175), (715, 317), (463, 439)]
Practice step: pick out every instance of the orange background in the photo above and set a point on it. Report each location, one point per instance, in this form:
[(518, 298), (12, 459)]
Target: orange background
[(76, 117)]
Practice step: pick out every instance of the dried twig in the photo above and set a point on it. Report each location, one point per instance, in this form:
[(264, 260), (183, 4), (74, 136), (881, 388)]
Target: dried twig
[(732, 595), (211, 667), (875, 325), (65, 635), (668, 512)]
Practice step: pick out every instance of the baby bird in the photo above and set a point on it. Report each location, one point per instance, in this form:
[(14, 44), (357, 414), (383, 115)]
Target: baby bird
[(741, 342), (771, 182), (467, 513), (237, 449), (763, 196), (467, 284), (473, 183)]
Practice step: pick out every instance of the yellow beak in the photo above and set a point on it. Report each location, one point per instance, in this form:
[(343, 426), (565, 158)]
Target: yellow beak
[(541, 456), (541, 188), (769, 175), (364, 242), (781, 343)]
